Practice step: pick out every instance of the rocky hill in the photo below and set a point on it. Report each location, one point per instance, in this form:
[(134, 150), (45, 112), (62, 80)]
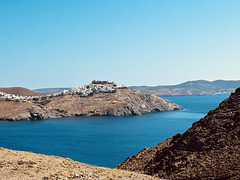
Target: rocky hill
[(89, 100), (200, 87), (20, 165), (210, 149), (20, 91)]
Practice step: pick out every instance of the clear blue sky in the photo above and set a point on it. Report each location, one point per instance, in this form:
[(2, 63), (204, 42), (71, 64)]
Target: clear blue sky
[(66, 43)]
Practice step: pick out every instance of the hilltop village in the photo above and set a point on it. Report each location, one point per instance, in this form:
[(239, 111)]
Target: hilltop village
[(82, 91)]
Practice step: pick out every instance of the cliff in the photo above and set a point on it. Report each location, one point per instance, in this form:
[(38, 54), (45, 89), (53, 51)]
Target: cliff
[(18, 165), (88, 100), (210, 149)]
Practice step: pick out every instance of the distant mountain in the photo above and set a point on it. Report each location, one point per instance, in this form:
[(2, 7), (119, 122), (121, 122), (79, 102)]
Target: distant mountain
[(200, 87), (50, 90)]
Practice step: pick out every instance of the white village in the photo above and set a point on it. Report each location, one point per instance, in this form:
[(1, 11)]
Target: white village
[(82, 91)]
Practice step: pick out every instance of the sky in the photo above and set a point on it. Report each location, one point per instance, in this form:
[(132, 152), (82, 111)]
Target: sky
[(68, 43)]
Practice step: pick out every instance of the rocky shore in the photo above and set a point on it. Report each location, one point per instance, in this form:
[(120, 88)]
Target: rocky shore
[(100, 98), (210, 149)]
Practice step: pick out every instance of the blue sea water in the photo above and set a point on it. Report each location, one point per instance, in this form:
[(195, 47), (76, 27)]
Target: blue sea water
[(105, 141)]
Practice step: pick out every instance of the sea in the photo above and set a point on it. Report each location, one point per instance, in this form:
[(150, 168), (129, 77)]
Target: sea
[(105, 141)]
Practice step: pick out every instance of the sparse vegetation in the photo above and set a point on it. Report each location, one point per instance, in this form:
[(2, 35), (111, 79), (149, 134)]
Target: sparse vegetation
[(60, 110), (17, 165), (44, 102)]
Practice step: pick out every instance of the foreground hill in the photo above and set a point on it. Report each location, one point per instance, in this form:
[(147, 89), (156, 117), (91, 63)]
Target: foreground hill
[(18, 165), (88, 100), (20, 91), (200, 87), (210, 149)]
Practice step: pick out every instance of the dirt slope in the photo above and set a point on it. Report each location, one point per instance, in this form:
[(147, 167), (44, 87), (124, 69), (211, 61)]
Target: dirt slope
[(19, 165), (210, 149)]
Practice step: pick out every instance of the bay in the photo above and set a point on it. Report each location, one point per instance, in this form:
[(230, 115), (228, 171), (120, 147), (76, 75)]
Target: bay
[(105, 141)]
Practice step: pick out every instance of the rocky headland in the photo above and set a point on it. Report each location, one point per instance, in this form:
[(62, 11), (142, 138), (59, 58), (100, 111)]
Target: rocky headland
[(210, 149), (100, 98), (20, 165)]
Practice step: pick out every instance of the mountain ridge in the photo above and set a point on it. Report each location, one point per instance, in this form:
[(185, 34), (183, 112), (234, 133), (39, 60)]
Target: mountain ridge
[(198, 87)]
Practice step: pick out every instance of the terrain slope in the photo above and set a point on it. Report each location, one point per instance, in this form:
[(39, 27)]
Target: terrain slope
[(20, 165), (210, 149)]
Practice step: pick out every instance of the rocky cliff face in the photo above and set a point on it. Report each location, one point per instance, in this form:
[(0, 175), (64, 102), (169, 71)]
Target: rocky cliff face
[(210, 149), (120, 102)]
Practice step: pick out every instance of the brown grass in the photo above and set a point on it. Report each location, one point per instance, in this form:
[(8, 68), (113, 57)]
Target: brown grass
[(18, 165)]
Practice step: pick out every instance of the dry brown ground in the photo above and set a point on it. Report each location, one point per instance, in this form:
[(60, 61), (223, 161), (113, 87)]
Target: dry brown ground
[(20, 165), (20, 91), (12, 108)]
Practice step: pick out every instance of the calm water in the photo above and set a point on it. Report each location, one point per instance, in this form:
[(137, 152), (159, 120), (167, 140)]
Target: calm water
[(105, 141)]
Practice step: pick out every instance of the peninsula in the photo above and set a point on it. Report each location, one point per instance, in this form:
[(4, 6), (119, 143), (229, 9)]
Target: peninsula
[(99, 98)]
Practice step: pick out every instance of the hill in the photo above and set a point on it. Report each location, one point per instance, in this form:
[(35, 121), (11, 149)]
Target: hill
[(20, 91), (88, 100), (18, 165), (200, 87), (210, 149)]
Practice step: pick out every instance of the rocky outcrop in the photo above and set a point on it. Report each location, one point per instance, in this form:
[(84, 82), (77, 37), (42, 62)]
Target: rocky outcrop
[(19, 165), (210, 149), (89, 100)]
